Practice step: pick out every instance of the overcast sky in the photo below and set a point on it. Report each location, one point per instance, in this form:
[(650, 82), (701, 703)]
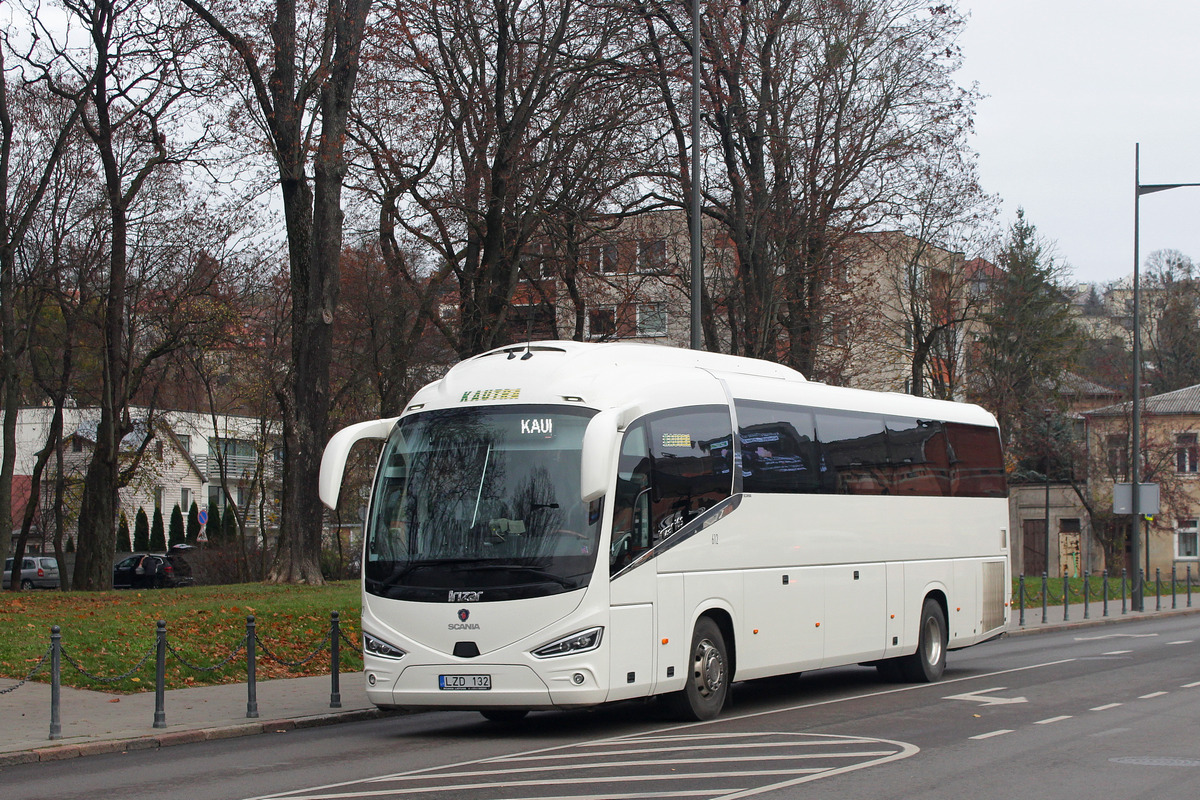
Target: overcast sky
[(1071, 86)]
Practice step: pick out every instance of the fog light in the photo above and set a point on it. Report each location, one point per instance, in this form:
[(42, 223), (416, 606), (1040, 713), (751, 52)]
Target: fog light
[(577, 678), (370, 678)]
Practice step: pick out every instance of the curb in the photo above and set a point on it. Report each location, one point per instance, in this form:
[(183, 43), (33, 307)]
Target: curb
[(1096, 622), (67, 751)]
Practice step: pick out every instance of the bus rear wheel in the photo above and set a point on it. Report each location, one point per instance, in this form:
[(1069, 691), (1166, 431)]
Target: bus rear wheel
[(929, 662), (707, 685)]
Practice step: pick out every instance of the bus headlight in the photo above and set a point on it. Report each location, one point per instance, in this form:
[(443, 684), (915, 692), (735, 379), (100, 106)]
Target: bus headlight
[(569, 645), (378, 647)]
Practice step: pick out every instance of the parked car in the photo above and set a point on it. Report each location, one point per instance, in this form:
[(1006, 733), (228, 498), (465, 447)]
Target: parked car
[(151, 571), (37, 572)]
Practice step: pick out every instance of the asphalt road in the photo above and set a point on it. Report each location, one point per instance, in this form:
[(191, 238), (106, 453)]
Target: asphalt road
[(1109, 712)]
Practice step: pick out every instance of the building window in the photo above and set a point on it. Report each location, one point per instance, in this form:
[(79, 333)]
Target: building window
[(158, 497), (185, 442), (652, 319), (608, 259), (1117, 448), (185, 499), (1187, 453), (602, 323), (652, 255), (77, 445), (535, 265), (1187, 539)]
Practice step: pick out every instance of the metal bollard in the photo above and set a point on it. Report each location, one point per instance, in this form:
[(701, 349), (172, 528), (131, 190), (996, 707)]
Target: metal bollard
[(1086, 614), (1189, 585), (251, 688), (1157, 589), (1066, 598), (1124, 575), (160, 675), (335, 692), (1174, 601), (1021, 598), (55, 682), (1106, 593), (1045, 592)]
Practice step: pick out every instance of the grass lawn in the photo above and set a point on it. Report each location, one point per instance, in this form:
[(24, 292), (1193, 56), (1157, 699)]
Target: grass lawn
[(107, 633)]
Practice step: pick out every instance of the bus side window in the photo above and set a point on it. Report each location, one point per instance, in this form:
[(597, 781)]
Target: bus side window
[(692, 454)]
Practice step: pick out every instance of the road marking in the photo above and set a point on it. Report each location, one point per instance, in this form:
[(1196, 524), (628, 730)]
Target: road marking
[(978, 697), (1115, 636), (1000, 732), (1152, 694), (1181, 641), (1052, 720), (629, 764), (1190, 685), (1105, 708), (1117, 653)]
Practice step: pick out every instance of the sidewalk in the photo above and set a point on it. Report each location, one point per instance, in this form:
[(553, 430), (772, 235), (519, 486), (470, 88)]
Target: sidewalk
[(95, 722)]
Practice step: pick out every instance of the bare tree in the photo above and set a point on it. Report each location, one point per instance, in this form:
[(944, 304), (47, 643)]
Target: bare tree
[(302, 90), (505, 92), (818, 112)]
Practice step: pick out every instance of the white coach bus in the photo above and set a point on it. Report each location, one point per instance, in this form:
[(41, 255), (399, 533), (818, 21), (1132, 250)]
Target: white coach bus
[(558, 524)]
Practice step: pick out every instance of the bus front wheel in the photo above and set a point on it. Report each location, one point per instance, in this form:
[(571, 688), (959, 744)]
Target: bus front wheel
[(707, 685), (929, 662)]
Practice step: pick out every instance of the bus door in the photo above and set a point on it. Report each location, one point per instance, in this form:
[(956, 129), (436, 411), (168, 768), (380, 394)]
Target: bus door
[(633, 586)]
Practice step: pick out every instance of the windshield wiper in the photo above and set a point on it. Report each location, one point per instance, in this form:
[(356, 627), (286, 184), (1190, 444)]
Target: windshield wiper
[(436, 562), (540, 573)]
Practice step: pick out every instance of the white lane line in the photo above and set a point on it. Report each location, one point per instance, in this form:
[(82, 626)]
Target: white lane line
[(1181, 641), (1116, 636), (1152, 694), (1105, 708), (1000, 732), (1190, 685), (1117, 653), (1052, 720)]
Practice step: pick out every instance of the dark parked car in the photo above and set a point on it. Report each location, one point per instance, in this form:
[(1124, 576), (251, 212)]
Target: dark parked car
[(150, 571), (37, 572)]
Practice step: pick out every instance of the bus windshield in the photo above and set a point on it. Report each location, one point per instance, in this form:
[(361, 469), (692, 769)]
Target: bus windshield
[(482, 500)]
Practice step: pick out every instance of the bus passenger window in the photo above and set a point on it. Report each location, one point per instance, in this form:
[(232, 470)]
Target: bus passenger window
[(692, 454)]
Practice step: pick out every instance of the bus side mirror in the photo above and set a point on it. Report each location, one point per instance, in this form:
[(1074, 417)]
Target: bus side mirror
[(333, 462), (599, 445)]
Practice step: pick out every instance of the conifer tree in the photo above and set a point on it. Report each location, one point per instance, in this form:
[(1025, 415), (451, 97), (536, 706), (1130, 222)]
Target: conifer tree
[(124, 544), (141, 531), (175, 532), (193, 523), (158, 537)]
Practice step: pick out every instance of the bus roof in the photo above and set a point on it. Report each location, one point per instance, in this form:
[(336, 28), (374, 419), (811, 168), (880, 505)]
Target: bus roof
[(615, 374)]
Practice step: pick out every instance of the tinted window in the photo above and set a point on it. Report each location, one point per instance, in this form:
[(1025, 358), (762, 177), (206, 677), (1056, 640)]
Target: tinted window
[(976, 461), (672, 468), (917, 453), (779, 449), (855, 448)]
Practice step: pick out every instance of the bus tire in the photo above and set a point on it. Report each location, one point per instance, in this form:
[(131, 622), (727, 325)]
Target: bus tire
[(929, 662), (707, 685), (505, 715)]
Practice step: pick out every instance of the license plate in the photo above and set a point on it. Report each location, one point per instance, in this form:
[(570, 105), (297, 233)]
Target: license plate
[(464, 682)]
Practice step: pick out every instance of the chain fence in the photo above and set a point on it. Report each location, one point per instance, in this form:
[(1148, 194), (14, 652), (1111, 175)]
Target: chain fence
[(252, 646), (1089, 590)]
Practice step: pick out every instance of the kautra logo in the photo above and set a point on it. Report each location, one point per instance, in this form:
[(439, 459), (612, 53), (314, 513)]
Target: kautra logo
[(462, 624)]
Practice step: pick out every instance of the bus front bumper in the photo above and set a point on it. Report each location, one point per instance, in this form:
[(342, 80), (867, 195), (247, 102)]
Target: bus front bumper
[(508, 686)]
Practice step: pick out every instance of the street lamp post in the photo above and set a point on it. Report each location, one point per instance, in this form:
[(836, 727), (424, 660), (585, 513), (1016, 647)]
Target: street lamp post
[(1135, 510), (697, 265)]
